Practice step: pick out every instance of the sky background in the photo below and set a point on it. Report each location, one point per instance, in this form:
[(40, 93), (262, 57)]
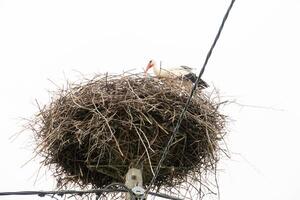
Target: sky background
[(255, 64)]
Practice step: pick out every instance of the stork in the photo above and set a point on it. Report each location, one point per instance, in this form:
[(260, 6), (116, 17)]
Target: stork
[(184, 72)]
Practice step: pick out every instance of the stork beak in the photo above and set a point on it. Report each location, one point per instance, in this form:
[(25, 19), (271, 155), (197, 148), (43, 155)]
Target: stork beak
[(148, 67)]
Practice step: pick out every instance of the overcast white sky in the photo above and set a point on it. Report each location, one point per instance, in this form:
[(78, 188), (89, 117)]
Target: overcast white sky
[(256, 62)]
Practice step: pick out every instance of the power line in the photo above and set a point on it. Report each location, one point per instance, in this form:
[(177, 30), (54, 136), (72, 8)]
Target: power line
[(62, 192), (112, 188), (157, 169)]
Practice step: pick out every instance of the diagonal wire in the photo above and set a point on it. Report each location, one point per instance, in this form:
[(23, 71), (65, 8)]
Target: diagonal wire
[(189, 99)]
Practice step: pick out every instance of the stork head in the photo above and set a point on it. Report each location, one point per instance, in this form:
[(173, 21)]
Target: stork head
[(150, 65)]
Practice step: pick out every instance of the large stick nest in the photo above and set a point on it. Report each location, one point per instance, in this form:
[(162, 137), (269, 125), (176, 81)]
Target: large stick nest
[(92, 132)]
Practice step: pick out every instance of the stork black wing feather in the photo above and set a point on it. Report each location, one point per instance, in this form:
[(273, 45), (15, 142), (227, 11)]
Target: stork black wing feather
[(192, 77)]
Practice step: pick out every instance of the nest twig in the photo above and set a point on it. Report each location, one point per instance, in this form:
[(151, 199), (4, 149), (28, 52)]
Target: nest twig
[(94, 131)]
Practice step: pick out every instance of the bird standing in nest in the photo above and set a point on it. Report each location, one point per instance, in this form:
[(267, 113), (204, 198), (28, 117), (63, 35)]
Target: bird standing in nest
[(184, 72)]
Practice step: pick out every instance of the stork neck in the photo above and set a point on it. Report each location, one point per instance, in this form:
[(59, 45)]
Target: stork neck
[(156, 70)]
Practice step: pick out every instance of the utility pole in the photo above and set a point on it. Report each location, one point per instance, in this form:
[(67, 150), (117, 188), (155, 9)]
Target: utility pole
[(134, 181)]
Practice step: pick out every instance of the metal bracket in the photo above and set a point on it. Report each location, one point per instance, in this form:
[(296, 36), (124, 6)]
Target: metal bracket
[(139, 192)]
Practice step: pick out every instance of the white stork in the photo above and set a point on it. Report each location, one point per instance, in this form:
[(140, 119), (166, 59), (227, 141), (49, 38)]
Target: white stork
[(181, 71)]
